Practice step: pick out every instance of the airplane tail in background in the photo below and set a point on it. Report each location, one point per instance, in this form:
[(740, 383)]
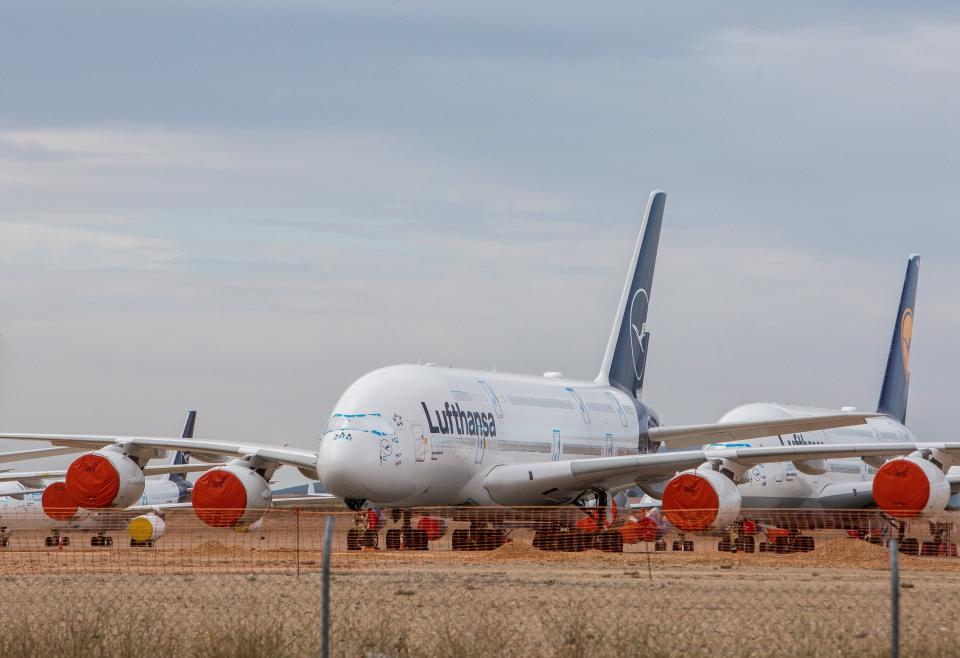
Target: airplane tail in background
[(896, 378), (181, 457), (625, 359)]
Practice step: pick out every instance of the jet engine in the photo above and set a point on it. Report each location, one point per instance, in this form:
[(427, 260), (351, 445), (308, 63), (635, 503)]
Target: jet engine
[(700, 500), (103, 479), (146, 528), (230, 496), (58, 504), (911, 486)]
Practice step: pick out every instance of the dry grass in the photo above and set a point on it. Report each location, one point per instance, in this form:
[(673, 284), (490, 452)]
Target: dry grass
[(485, 606)]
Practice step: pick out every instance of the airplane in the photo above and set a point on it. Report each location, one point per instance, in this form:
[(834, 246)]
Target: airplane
[(27, 500), (918, 485), (410, 436)]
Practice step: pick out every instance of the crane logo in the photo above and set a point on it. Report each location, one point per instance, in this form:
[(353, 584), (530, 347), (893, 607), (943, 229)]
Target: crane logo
[(638, 325), (906, 336)]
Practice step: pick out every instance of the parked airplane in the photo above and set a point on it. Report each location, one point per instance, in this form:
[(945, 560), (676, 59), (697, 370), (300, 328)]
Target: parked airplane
[(917, 485), (30, 500), (408, 436)]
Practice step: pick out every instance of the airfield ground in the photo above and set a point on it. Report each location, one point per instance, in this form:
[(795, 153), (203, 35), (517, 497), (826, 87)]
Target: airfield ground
[(515, 601)]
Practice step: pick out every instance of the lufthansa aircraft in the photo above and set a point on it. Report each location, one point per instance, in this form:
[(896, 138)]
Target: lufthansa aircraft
[(918, 485), (409, 436)]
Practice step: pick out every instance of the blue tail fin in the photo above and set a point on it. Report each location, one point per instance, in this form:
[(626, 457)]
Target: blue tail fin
[(182, 457), (896, 378), (625, 359)]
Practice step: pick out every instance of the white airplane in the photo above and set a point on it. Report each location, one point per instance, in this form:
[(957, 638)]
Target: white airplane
[(29, 500), (918, 485), (408, 436)]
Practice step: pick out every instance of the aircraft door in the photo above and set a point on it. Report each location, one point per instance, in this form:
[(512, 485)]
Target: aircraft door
[(555, 448), (421, 443), (608, 444), (481, 447)]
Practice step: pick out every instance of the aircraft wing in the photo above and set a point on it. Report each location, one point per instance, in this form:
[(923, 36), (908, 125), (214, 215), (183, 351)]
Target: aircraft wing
[(163, 469), (305, 501), (36, 453), (690, 436), (210, 450), (562, 481)]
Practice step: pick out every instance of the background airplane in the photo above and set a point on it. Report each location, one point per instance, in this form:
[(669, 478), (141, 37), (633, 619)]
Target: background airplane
[(410, 436)]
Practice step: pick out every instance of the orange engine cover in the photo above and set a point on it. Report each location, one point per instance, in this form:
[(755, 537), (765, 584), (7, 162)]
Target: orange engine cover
[(57, 502), (219, 498), (695, 501), (230, 496), (434, 527), (910, 487), (92, 481)]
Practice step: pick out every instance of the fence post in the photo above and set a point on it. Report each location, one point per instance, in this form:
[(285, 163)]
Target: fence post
[(894, 599), (298, 542), (325, 621)]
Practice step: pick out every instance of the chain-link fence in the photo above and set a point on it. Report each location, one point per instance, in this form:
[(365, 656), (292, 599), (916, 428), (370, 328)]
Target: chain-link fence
[(290, 540)]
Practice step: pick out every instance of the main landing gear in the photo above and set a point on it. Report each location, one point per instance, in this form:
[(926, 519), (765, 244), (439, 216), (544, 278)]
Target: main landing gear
[(56, 539), (101, 540), (940, 544), (588, 533), (479, 537), (681, 543), (739, 539), (784, 540)]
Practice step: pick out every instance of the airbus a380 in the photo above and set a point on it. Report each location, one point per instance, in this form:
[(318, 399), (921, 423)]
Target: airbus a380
[(918, 485), (409, 436)]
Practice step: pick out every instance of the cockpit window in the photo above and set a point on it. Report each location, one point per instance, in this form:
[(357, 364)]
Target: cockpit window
[(364, 423)]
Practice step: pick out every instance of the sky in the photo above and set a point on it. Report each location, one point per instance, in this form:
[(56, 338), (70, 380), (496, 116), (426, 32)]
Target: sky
[(241, 207)]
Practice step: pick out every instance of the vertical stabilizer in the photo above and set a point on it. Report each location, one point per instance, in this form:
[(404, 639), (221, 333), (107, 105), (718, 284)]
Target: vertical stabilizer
[(625, 359), (181, 457), (896, 378)]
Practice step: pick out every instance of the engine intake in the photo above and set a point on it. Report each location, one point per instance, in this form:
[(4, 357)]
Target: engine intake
[(908, 487), (230, 496), (696, 501), (58, 504), (146, 528), (103, 479)]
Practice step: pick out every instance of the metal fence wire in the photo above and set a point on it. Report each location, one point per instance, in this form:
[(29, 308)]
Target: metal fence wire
[(290, 540)]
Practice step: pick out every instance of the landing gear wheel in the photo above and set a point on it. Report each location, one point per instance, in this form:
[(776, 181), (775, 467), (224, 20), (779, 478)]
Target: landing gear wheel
[(910, 546), (610, 541), (724, 546), (371, 539), (660, 545), (545, 540), (929, 548), (393, 539), (746, 544), (414, 539), (764, 547), (688, 546), (461, 540), (353, 539)]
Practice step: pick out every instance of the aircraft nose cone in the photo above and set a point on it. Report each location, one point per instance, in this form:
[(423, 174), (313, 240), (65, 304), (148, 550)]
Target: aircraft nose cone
[(364, 467)]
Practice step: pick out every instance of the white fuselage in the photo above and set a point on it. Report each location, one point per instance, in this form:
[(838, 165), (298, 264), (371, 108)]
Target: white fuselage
[(425, 435), (26, 512), (408, 436), (845, 484)]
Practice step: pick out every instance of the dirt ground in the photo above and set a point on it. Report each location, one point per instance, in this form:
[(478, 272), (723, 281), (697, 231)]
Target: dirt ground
[(515, 601)]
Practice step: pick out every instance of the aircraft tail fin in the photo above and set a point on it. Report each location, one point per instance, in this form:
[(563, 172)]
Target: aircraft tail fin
[(896, 377), (625, 359), (181, 457)]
